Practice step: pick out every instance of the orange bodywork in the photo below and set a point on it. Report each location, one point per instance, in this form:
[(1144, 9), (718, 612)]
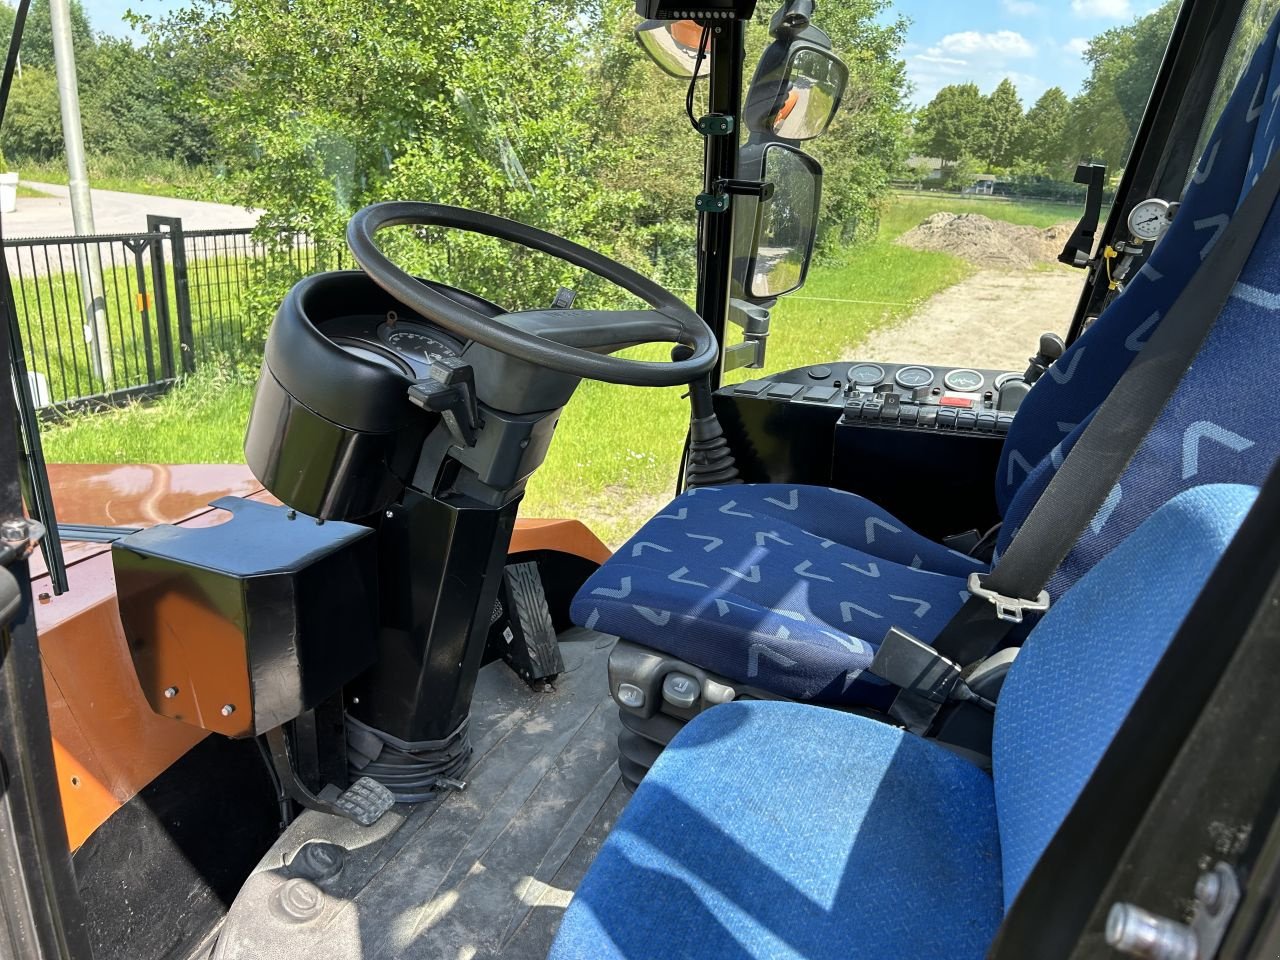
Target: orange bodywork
[(107, 742)]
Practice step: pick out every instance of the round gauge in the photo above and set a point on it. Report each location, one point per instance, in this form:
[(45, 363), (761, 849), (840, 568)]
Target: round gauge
[(964, 381), (374, 352), (866, 374), (1149, 219), (912, 377), (412, 340)]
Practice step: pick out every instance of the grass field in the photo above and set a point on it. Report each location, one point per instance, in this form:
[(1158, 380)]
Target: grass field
[(149, 175), (616, 449)]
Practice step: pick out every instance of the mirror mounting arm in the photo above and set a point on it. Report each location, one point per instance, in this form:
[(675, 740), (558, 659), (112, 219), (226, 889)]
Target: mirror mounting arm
[(760, 189)]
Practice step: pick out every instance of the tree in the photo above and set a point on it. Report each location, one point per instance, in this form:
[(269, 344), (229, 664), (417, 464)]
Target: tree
[(868, 143), (1000, 133), (1043, 129), (1123, 63), (37, 36), (33, 119), (950, 126)]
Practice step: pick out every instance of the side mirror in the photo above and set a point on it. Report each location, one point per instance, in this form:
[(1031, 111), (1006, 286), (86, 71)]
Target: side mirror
[(671, 44), (776, 235), (813, 85)]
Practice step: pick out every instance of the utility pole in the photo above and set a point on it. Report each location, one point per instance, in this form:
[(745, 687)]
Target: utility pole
[(96, 332)]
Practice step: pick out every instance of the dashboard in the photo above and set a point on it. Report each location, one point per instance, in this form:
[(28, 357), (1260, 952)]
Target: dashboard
[(407, 346), (911, 395)]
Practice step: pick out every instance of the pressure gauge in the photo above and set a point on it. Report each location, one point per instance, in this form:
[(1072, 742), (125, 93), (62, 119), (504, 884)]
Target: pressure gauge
[(1149, 219)]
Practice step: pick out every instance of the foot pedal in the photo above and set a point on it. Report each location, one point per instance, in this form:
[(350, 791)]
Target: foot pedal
[(521, 631), (365, 801)]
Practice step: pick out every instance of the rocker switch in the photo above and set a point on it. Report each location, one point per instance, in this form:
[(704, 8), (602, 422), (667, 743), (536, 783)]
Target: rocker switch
[(680, 690)]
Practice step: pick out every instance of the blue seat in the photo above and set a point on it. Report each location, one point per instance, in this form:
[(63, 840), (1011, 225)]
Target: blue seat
[(768, 585), (779, 830)]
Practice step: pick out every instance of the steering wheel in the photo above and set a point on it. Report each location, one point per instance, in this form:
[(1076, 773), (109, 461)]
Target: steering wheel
[(668, 321)]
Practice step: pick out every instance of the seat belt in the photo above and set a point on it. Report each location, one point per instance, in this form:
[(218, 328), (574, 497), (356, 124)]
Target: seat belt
[(1016, 585)]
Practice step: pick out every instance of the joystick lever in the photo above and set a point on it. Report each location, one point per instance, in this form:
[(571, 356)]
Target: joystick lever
[(450, 390), (1051, 348)]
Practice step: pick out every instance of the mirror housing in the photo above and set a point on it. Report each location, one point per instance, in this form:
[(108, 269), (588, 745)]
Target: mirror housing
[(796, 91), (774, 237), (671, 44)]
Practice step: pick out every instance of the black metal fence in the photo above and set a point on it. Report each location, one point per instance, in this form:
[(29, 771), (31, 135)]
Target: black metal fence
[(110, 317)]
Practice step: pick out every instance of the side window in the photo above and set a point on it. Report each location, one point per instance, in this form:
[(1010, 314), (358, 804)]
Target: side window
[(941, 246)]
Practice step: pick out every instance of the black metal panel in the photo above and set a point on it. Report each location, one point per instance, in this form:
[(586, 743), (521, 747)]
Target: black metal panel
[(158, 876), (440, 569), (240, 627), (937, 483)]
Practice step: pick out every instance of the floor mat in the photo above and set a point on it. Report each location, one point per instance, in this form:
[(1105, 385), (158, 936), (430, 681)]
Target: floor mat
[(481, 873)]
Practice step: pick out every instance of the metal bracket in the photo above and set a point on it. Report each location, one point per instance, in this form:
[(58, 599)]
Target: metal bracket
[(711, 203), (716, 125), (18, 537), (1009, 609)]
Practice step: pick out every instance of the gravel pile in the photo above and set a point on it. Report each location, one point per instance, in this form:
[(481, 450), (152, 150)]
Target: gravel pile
[(987, 242)]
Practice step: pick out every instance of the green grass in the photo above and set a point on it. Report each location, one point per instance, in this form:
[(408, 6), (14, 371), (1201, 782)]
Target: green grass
[(905, 210), (200, 421), (149, 175), (616, 448), (25, 191)]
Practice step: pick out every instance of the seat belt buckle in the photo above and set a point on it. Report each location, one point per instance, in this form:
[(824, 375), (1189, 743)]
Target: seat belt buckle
[(1009, 609), (915, 666)]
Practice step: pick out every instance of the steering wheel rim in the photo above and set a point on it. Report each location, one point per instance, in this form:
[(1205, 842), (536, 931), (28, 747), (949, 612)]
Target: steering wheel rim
[(690, 329)]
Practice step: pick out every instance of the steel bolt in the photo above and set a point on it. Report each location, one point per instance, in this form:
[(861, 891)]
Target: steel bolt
[(14, 531), (170, 692), (1140, 933), (228, 709), (1209, 890), (390, 515), (291, 515)]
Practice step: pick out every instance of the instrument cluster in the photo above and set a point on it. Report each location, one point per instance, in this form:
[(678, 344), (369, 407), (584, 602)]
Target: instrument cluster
[(406, 345)]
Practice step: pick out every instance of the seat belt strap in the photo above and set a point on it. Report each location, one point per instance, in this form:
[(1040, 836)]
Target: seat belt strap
[(1106, 446)]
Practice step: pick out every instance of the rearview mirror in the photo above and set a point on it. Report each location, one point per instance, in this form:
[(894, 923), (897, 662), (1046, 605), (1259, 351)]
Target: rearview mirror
[(812, 86), (671, 44), (782, 227)]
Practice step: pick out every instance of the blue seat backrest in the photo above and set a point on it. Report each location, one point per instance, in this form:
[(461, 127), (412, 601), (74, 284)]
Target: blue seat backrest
[(1216, 427), (1073, 388), (1085, 663)]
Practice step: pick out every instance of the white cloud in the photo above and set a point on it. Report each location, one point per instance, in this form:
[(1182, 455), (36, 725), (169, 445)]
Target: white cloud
[(1076, 46), (1102, 9), (1003, 44), (1020, 8)]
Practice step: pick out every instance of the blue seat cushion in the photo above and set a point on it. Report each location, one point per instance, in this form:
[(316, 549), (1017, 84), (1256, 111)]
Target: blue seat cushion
[(788, 588), (780, 830)]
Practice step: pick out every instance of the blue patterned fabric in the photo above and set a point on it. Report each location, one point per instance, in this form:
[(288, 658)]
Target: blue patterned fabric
[(803, 621), (786, 588), (778, 830)]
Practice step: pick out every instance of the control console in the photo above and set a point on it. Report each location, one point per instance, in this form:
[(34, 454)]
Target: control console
[(911, 395)]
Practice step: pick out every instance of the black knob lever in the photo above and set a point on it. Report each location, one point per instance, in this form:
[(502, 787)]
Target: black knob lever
[(1050, 349), (450, 390)]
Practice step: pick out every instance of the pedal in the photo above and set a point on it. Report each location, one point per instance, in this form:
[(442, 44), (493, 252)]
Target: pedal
[(521, 631), (365, 801)]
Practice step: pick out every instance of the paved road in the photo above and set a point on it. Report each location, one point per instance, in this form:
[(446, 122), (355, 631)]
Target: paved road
[(117, 213)]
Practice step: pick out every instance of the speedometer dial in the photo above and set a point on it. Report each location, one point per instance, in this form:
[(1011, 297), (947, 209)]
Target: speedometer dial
[(913, 377), (413, 340)]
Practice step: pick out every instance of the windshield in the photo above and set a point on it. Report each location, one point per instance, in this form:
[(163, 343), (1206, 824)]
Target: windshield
[(220, 147)]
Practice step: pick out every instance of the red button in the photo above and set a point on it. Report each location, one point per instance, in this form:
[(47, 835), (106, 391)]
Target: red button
[(956, 401)]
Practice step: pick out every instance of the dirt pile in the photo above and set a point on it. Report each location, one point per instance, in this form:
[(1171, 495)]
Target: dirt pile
[(987, 242)]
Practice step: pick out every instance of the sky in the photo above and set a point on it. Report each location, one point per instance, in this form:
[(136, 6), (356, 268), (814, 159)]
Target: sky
[(1036, 43)]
